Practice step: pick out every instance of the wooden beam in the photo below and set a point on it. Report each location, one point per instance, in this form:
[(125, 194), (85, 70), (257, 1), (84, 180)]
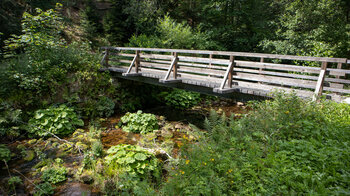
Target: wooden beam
[(229, 69), (239, 54), (175, 65), (232, 59), (137, 61), (319, 85), (339, 67)]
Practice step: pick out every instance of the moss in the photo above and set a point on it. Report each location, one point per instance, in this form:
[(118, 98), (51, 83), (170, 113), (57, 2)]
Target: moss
[(30, 155), (33, 141)]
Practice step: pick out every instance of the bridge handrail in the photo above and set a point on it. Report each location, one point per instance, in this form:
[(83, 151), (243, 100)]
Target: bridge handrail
[(240, 54)]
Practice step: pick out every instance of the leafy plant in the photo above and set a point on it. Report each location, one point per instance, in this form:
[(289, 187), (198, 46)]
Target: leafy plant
[(181, 99), (55, 174), (283, 146), (14, 181), (133, 160), (139, 122), (44, 189), (57, 120), (9, 120), (5, 153), (105, 107)]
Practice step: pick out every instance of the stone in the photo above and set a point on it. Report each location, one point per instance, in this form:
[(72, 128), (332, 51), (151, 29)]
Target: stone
[(240, 104)]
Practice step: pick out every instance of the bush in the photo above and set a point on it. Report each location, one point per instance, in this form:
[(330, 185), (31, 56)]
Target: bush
[(5, 153), (181, 99), (105, 107), (283, 146), (54, 175), (44, 189), (132, 160), (139, 122), (57, 120), (9, 120)]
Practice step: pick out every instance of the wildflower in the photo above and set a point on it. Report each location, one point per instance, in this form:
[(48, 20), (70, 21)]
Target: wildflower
[(173, 168), (212, 159), (205, 163), (229, 171), (182, 172), (286, 112), (187, 161)]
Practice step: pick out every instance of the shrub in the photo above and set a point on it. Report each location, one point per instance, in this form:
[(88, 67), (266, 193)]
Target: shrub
[(14, 181), (139, 122), (283, 146), (54, 175), (9, 120), (57, 120), (105, 107), (133, 160), (44, 189), (5, 153), (181, 99)]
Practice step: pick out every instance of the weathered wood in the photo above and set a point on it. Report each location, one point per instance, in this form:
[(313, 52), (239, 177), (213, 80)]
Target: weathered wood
[(251, 77), (137, 62), (319, 85), (175, 65), (232, 58), (339, 67), (229, 69), (132, 64), (237, 54)]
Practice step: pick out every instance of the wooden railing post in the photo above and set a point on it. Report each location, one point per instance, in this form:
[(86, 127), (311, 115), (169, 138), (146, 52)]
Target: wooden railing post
[(319, 85), (232, 59), (175, 65), (210, 63), (137, 62)]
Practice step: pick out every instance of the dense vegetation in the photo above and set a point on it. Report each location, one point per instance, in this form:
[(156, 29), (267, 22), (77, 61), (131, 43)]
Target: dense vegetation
[(55, 103)]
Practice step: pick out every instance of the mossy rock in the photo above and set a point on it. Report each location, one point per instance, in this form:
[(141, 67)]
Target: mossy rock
[(30, 155)]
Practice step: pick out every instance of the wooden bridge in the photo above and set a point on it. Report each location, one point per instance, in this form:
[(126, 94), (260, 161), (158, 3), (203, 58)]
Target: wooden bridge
[(232, 73)]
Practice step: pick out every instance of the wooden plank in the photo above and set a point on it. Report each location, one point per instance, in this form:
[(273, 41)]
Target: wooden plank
[(157, 56), (204, 60), (319, 85), (237, 54)]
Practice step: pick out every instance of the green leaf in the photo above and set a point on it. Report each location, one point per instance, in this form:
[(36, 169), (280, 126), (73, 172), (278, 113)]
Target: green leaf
[(140, 157)]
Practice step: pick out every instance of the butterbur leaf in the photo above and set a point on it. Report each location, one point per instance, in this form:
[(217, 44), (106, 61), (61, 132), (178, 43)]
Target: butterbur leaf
[(38, 115), (140, 157), (80, 122)]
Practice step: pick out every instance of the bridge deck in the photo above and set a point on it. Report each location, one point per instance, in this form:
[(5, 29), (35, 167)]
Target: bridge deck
[(232, 72)]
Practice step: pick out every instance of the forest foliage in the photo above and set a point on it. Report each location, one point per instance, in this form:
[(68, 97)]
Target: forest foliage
[(51, 84)]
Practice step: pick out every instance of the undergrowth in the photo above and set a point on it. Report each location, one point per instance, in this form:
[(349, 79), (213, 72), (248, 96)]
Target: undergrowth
[(283, 146)]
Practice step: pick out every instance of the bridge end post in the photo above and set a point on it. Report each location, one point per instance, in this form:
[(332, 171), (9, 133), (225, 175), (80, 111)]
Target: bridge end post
[(319, 84)]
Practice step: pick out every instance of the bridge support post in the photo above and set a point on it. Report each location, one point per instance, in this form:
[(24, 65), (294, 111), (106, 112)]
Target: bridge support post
[(136, 62), (227, 77), (173, 67), (319, 84)]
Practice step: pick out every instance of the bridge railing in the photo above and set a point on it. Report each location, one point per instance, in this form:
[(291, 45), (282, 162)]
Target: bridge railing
[(229, 71)]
